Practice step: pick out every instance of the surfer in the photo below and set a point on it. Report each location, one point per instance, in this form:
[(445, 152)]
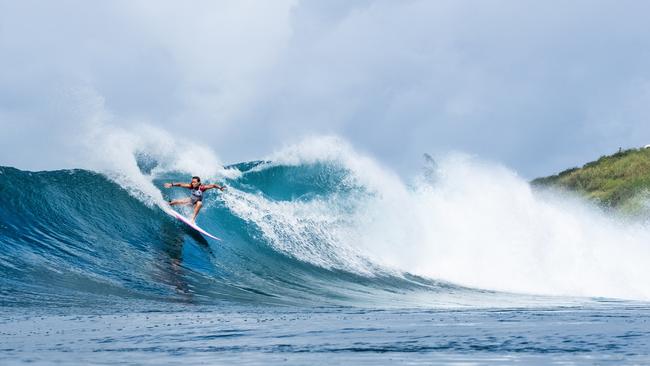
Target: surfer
[(196, 194)]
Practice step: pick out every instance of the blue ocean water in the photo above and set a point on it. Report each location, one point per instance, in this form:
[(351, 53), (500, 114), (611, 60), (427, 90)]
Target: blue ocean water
[(253, 335), (96, 273)]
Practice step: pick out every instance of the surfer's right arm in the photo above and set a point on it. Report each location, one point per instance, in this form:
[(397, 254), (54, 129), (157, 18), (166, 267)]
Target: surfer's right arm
[(184, 185)]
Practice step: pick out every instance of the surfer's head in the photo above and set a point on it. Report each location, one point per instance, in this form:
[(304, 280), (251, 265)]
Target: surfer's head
[(196, 181)]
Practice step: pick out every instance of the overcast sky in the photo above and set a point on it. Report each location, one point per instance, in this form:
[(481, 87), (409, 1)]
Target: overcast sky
[(538, 86)]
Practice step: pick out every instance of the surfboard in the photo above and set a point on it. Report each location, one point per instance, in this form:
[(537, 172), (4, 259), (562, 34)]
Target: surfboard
[(189, 223)]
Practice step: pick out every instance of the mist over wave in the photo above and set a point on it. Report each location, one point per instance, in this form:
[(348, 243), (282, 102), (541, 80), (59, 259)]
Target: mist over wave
[(469, 222), (313, 223)]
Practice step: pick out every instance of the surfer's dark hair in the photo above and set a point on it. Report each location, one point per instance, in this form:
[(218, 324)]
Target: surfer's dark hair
[(197, 178)]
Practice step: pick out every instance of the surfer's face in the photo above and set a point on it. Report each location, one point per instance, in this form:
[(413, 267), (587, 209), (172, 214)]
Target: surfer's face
[(195, 183)]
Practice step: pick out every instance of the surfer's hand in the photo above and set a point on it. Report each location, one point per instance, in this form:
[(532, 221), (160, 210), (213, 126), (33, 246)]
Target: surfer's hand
[(168, 185), (222, 188)]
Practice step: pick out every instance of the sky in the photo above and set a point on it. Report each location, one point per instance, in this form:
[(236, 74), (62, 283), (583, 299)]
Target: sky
[(538, 86)]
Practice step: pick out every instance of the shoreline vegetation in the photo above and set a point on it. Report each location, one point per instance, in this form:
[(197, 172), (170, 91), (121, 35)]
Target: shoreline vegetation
[(618, 182)]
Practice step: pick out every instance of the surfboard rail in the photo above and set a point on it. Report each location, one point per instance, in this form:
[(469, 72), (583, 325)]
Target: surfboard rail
[(189, 223)]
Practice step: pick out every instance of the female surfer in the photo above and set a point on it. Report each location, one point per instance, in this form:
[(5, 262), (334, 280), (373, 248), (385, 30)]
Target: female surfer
[(196, 194)]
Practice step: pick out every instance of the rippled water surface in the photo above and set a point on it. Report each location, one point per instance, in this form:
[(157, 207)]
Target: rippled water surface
[(600, 334)]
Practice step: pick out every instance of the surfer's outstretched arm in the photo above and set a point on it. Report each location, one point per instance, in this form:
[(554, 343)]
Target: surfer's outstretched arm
[(184, 185), (211, 186)]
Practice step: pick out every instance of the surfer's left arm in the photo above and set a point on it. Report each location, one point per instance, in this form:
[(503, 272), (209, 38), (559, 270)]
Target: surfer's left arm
[(210, 186), (184, 185)]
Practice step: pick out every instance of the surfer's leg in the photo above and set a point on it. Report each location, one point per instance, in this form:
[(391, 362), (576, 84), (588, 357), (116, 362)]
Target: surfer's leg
[(183, 201), (197, 207)]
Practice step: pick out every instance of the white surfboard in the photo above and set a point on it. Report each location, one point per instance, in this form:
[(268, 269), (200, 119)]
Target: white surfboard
[(189, 223)]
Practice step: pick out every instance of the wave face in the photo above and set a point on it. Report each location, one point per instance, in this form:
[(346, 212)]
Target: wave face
[(75, 237), (315, 224)]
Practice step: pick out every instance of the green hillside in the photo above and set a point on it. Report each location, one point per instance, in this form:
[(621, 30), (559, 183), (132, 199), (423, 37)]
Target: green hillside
[(620, 181)]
